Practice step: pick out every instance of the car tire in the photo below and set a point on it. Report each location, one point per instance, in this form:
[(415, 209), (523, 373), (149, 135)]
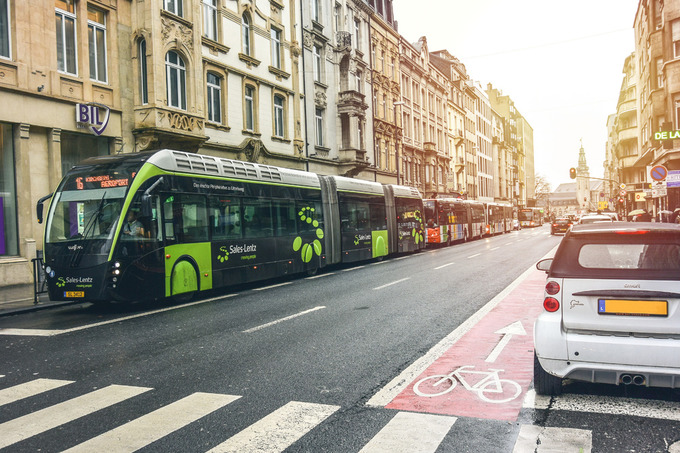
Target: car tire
[(544, 382)]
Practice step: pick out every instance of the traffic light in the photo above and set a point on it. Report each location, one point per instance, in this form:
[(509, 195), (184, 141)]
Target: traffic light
[(572, 173)]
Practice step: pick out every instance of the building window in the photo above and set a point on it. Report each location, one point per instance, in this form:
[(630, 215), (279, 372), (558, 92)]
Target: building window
[(659, 72), (210, 19), (143, 75), (359, 77), (9, 237), (279, 130), (214, 84), (96, 37), (276, 47), (338, 16), (675, 28), (315, 10), (318, 126), (676, 107), (174, 6), (249, 108), (357, 36), (245, 34), (5, 43), (316, 53), (66, 36), (175, 72)]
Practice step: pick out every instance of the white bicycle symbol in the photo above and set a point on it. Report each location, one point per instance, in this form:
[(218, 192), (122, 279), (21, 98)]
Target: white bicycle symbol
[(491, 388)]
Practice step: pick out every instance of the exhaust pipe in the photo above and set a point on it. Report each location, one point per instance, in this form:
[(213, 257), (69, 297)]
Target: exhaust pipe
[(626, 379), (639, 379)]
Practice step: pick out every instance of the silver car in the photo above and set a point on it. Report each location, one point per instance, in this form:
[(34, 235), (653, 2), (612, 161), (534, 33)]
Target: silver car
[(612, 308)]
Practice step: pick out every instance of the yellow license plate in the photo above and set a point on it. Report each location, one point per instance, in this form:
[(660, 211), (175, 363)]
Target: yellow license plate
[(74, 293), (633, 307)]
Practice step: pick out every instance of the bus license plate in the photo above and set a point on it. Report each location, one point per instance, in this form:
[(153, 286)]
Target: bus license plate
[(633, 307), (74, 294)]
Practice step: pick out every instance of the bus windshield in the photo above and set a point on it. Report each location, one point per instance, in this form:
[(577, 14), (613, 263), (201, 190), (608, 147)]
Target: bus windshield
[(526, 215), (88, 205)]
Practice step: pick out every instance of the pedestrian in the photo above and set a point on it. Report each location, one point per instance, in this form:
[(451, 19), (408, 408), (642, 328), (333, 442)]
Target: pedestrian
[(675, 217)]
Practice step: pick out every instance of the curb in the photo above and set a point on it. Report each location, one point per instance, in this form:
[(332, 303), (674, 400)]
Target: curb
[(35, 307)]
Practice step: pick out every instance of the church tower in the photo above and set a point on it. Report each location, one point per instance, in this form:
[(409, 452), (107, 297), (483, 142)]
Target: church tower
[(582, 181)]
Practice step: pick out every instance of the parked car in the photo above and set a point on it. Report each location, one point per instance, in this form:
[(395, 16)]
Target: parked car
[(594, 218), (560, 225), (612, 308)]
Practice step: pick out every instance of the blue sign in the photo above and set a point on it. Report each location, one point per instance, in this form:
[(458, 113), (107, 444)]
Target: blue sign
[(658, 173), (673, 178)]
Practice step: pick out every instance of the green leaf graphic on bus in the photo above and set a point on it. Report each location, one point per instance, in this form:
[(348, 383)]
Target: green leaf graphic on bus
[(307, 251), (61, 282), (417, 233), (223, 255)]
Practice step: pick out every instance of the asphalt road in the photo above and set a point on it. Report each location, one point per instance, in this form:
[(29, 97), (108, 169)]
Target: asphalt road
[(313, 350)]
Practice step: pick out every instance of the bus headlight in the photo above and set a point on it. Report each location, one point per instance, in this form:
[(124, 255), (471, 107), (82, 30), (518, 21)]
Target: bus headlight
[(116, 272), (116, 264), (48, 269)]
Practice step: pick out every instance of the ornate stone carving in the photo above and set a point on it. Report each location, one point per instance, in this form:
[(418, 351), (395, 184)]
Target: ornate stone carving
[(307, 39), (320, 99), (174, 31)]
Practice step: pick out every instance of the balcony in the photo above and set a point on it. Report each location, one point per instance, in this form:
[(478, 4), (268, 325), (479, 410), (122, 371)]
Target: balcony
[(157, 128), (352, 102)]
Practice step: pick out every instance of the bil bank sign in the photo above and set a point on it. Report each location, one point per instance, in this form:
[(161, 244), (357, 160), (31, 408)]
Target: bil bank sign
[(93, 116)]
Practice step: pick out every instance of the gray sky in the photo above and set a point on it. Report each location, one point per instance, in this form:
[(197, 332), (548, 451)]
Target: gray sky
[(560, 62)]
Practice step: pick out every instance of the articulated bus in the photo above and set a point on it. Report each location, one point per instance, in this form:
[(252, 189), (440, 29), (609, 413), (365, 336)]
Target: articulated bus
[(530, 217), (452, 219), (499, 218), (169, 223)]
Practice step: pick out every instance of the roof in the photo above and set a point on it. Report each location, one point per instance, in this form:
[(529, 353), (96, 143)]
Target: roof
[(626, 227)]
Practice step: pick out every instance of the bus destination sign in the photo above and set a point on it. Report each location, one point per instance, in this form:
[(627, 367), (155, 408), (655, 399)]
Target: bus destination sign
[(101, 182)]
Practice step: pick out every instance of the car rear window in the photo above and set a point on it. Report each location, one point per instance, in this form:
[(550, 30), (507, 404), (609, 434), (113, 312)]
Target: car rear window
[(630, 256), (652, 256)]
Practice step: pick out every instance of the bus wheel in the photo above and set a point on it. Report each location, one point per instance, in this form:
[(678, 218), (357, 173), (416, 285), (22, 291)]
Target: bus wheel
[(312, 271), (183, 281)]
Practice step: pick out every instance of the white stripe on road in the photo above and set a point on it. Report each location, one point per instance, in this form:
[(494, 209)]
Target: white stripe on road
[(153, 426), (43, 420), (662, 410), (51, 333), (287, 318), (539, 439), (319, 276), (28, 389), (495, 248), (408, 431), (475, 255), (442, 267), (393, 283), (272, 286), (353, 268), (278, 430)]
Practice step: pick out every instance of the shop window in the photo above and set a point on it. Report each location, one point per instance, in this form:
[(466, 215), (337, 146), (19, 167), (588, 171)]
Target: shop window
[(9, 237)]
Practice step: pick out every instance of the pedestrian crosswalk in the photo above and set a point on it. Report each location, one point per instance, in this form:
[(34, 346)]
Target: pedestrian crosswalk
[(274, 432)]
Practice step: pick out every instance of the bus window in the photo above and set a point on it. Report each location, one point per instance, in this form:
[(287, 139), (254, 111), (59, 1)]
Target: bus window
[(257, 218), (194, 218), (225, 217), (355, 216), (378, 216), (284, 218), (311, 217)]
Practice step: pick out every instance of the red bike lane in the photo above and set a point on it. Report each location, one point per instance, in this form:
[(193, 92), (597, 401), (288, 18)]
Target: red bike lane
[(490, 366)]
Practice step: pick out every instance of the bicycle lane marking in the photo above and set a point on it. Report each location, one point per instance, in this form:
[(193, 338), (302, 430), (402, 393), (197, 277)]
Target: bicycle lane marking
[(523, 304)]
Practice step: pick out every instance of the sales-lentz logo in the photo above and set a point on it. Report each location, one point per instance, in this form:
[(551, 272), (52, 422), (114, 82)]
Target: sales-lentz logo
[(93, 116)]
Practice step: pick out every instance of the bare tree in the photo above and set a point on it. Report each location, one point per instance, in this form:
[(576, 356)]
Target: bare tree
[(543, 190)]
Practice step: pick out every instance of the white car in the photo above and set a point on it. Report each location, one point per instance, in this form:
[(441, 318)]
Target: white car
[(612, 308)]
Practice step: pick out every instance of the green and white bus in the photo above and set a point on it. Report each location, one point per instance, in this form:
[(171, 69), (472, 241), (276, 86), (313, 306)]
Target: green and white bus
[(202, 222)]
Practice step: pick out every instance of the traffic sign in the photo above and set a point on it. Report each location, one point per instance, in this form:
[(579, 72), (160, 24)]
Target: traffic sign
[(622, 193), (658, 173), (622, 186)]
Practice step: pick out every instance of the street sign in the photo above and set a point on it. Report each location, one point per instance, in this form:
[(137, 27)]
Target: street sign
[(640, 196), (658, 173), (622, 193), (622, 186), (673, 178)]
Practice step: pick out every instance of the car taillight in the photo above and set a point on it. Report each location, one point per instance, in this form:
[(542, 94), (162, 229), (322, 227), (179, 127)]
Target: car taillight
[(552, 288), (551, 304)]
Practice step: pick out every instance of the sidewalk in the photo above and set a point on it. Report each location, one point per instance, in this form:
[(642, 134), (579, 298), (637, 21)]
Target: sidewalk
[(19, 298)]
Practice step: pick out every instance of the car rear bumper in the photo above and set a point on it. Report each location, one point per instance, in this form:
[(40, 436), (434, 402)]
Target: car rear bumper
[(609, 359)]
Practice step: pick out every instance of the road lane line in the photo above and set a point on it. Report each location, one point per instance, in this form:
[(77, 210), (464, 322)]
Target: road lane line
[(385, 395), (51, 333), (319, 276), (474, 256), (393, 283), (273, 286), (43, 420), (409, 431), (495, 248), (287, 318), (278, 430), (443, 266), (155, 425), (28, 389), (662, 410), (353, 268), (538, 438)]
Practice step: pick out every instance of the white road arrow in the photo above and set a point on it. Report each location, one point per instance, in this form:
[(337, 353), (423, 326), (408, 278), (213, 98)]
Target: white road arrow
[(516, 328)]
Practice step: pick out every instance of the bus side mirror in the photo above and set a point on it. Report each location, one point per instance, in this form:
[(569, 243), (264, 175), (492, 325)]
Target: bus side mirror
[(147, 202), (39, 207)]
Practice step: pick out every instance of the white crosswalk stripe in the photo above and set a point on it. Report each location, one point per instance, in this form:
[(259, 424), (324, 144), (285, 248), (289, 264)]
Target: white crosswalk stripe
[(539, 439), (28, 389), (408, 432), (147, 429), (278, 430), (38, 422)]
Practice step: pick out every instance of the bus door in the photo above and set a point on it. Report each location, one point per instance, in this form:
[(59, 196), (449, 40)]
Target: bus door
[(363, 227)]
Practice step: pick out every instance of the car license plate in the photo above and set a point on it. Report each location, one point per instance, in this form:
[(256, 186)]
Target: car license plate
[(632, 307), (74, 294)]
